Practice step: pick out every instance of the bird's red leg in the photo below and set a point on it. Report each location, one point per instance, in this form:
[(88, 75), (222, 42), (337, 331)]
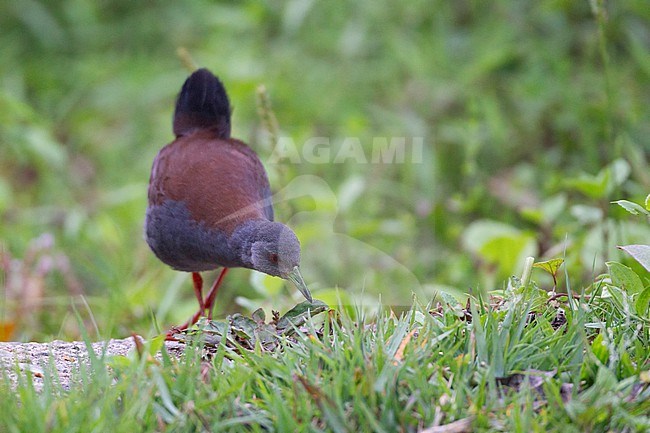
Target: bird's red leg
[(204, 305), (197, 281), (198, 289), (212, 294)]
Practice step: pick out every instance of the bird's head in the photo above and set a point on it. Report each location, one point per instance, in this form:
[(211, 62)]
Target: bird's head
[(275, 250)]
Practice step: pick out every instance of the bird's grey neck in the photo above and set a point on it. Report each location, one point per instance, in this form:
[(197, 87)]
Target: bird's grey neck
[(242, 239)]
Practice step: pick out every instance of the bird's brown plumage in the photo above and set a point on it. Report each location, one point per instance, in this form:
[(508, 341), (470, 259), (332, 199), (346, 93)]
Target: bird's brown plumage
[(222, 181)]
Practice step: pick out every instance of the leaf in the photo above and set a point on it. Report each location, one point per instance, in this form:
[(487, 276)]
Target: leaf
[(600, 185), (625, 278), (155, 344), (643, 303), (244, 327), (171, 412), (532, 378), (118, 362), (640, 253), (647, 202), (478, 233), (633, 208), (620, 170), (550, 266), (259, 316), (213, 326), (499, 244), (507, 252), (586, 214), (591, 186), (553, 207), (300, 313), (600, 349), (211, 332)]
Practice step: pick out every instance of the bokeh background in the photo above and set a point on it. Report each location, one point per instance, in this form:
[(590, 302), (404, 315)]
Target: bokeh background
[(533, 117)]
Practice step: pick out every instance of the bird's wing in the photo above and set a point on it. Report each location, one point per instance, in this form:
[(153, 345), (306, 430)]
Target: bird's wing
[(222, 182)]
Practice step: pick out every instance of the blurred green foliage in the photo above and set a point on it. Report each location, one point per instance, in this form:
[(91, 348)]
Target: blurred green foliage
[(534, 116)]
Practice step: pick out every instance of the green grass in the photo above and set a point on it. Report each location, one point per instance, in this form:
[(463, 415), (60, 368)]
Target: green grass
[(430, 366), (533, 115)]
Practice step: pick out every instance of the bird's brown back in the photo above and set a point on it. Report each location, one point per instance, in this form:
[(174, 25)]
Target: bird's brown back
[(221, 181)]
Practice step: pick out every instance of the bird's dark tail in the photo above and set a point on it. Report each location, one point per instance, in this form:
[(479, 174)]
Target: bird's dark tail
[(202, 104)]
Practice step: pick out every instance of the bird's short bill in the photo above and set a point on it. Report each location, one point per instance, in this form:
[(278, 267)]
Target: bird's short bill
[(296, 278)]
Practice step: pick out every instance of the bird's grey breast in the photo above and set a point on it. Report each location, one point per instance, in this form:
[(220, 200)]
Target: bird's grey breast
[(183, 243)]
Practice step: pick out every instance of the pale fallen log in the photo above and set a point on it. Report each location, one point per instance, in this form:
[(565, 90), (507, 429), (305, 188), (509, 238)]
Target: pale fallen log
[(65, 357)]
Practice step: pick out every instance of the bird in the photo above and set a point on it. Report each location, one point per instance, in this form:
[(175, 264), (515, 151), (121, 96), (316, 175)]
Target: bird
[(209, 199)]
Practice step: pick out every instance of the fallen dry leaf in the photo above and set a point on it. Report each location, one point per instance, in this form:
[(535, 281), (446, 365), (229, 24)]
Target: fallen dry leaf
[(399, 355), (463, 425)]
